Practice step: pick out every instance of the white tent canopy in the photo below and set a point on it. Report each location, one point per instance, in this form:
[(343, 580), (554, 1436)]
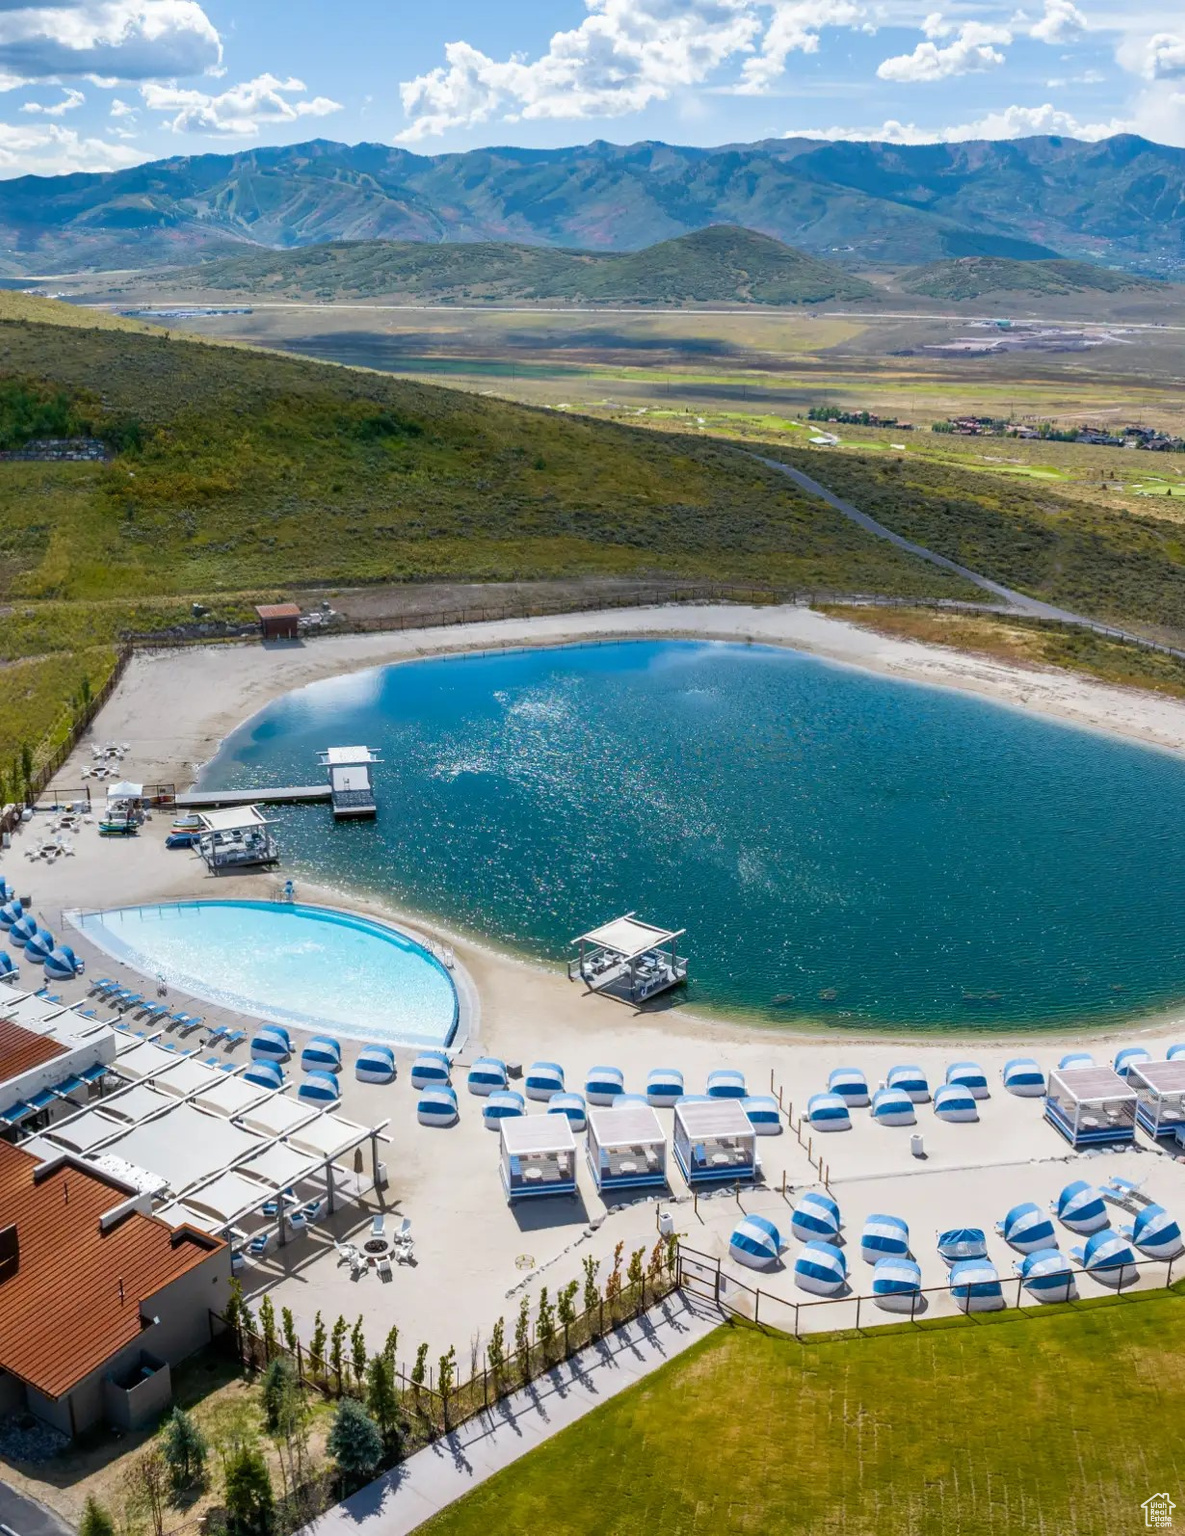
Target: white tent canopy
[(125, 790), (628, 937)]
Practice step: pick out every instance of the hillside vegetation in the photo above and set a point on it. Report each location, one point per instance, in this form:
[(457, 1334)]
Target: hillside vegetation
[(973, 276)]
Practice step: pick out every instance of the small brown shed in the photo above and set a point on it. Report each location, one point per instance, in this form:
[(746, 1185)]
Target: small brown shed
[(278, 621)]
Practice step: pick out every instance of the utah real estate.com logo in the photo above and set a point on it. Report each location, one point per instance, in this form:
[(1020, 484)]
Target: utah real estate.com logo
[(1158, 1512)]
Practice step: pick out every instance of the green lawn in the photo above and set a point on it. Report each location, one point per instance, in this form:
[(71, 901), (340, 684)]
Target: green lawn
[(1050, 1424)]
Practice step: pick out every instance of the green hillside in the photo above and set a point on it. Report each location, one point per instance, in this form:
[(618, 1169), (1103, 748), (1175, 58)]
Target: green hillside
[(720, 265), (974, 276)]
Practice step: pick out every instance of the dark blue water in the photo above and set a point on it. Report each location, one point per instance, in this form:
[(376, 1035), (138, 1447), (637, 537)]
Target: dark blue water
[(842, 849)]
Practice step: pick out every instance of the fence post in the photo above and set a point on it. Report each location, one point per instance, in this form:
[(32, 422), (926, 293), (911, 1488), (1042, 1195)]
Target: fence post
[(757, 1305), (857, 1314), (796, 1320), (1019, 1283), (1169, 1277)]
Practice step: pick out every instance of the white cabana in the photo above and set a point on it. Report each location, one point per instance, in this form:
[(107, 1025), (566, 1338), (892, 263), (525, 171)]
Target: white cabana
[(544, 1080), (320, 1088), (267, 1074), (1023, 1077), (726, 1083), (626, 1147), (603, 1084), (884, 1237), (504, 1104), (715, 1141), (755, 1242), (430, 1069), (1027, 1228), (911, 1080), (893, 1106), (969, 1074), (765, 1115), (1160, 1096), (1154, 1232), (851, 1085), (572, 1107), (272, 1043), (1081, 1207), (437, 1105), (953, 1102), (538, 1156), (375, 1064), (321, 1053), (828, 1112), (1091, 1105), (1076, 1059), (1047, 1274), (1108, 1258), (897, 1284), (821, 1269), (487, 1075), (664, 1086), (1131, 1056), (815, 1215), (975, 1286)]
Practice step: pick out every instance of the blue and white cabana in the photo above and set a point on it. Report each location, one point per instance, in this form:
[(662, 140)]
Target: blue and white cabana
[(975, 1286), (755, 1242), (626, 1148), (893, 1106), (1108, 1258), (1047, 1274), (503, 1105), (1027, 1228), (322, 1054), (1076, 1059), (815, 1215), (40, 946), (603, 1084), (430, 1069), (884, 1237), (11, 913), (438, 1105), (571, 1106), (714, 1141), (629, 1098), (851, 1085), (664, 1086), (271, 1044), (5, 890), (8, 966), (62, 964), (24, 929), (1081, 1208), (1024, 1078), (911, 1080), (1131, 1056), (897, 1284), (1174, 1051), (1155, 1233), (487, 1075), (959, 1244), (265, 1074), (538, 1157), (1160, 1096), (955, 1103), (821, 1269), (828, 1112), (544, 1079), (1091, 1106), (726, 1083), (375, 1064), (764, 1115), (969, 1074), (319, 1087)]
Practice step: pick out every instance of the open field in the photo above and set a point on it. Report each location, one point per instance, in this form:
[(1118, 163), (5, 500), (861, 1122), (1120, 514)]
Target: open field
[(1063, 1421)]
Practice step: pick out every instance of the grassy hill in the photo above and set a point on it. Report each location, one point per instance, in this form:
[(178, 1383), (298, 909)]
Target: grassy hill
[(720, 265), (972, 277)]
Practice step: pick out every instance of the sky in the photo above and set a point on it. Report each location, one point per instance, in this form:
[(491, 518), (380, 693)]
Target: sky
[(96, 85)]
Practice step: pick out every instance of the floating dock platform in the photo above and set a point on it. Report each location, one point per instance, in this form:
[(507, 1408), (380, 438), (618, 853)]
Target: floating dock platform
[(212, 799)]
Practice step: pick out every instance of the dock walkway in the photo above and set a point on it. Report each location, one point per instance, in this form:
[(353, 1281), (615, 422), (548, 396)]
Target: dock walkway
[(293, 794)]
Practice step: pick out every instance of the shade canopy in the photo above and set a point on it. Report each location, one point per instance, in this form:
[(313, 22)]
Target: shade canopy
[(975, 1280), (764, 1114), (322, 1051), (970, 1075), (1027, 1228), (664, 1085), (1107, 1250), (375, 1064), (320, 1087), (828, 1112), (271, 1044), (6, 892), (815, 1215), (892, 1106), (821, 1269), (40, 946), (1130, 1057), (430, 1067), (11, 912), (896, 1277), (1047, 1274), (1081, 1207), (61, 964), (955, 1102), (726, 1083), (1023, 1077), (911, 1080), (1076, 1059), (1156, 1232), (23, 929), (487, 1075), (7, 964), (502, 1105), (958, 1244), (628, 937), (851, 1085), (884, 1237), (755, 1242), (570, 1105), (544, 1079), (437, 1105), (266, 1074), (1174, 1051), (603, 1084)]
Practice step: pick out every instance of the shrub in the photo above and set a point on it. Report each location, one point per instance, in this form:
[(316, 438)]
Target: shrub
[(95, 1520), (184, 1448), (354, 1440), (279, 1381), (250, 1502)]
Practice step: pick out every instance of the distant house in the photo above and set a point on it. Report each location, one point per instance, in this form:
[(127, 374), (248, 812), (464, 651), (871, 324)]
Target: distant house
[(279, 621)]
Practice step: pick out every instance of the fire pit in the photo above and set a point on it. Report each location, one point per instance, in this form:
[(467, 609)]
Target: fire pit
[(376, 1248)]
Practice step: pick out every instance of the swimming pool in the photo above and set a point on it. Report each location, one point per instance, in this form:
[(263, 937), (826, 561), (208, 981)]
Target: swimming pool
[(292, 964)]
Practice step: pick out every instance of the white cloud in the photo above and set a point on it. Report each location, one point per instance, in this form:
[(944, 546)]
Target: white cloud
[(69, 102), (34, 149), (972, 48), (1005, 123), (115, 39), (1160, 57), (1062, 23), (239, 111), (623, 56), (123, 109)]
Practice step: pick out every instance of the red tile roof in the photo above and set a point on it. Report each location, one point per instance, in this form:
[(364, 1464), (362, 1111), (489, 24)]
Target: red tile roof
[(74, 1298), (278, 610), (21, 1050)]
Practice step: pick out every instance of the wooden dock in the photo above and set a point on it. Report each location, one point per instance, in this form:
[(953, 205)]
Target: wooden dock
[(212, 799)]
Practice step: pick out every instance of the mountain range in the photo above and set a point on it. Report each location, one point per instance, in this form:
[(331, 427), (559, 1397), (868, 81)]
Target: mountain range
[(1121, 201)]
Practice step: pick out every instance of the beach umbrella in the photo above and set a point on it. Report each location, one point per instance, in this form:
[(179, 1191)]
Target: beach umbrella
[(437, 1105), (264, 1074), (61, 964), (1075, 1059), (884, 1237), (40, 946), (815, 1215), (828, 1112), (1155, 1232), (7, 964), (851, 1085), (1027, 1228), (968, 1074), (1023, 1077), (1131, 1056), (911, 1080), (319, 1087), (755, 1242), (955, 1103), (726, 1083), (429, 1069), (896, 1283), (570, 1105), (375, 1064), (544, 1079), (503, 1105), (891, 1106), (764, 1115), (322, 1053), (1047, 1274), (1081, 1207), (11, 912), (271, 1044), (957, 1244), (975, 1285), (24, 929), (487, 1075), (1108, 1257), (603, 1084), (820, 1269), (664, 1087)]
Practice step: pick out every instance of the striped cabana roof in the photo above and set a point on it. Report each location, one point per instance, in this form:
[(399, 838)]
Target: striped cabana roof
[(851, 1085), (24, 929), (976, 1283), (1081, 1207), (1131, 1056), (896, 1277), (543, 1079), (726, 1083), (437, 1105), (271, 1044), (265, 1074), (820, 1269), (755, 1242), (622, 1099), (1023, 1077), (5, 890), (570, 1105), (664, 1087), (954, 1102), (1048, 1274), (958, 1244), (430, 1068), (1174, 1051), (1107, 1251), (7, 964), (375, 1064), (62, 964), (911, 1080), (1155, 1232), (892, 1106), (828, 1112), (1076, 1059), (487, 1075), (884, 1237), (11, 912), (502, 1105), (603, 1084), (970, 1075), (323, 1052), (815, 1215), (40, 946), (1027, 1228), (764, 1115), (319, 1087)]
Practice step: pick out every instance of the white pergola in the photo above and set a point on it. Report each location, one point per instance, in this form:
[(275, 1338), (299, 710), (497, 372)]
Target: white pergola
[(1160, 1096), (715, 1140), (629, 959), (1091, 1106), (237, 838), (626, 1147), (538, 1156)]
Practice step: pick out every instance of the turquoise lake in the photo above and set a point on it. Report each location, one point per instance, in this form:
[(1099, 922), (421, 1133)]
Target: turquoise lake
[(844, 850)]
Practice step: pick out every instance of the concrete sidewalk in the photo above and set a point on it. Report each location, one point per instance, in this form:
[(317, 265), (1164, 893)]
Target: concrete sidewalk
[(405, 1497)]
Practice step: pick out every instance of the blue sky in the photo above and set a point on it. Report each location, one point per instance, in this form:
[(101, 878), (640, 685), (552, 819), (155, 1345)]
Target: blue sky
[(99, 84)]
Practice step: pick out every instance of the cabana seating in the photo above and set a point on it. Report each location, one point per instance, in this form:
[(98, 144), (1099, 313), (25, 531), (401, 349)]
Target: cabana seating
[(1091, 1106), (503, 1105), (910, 1080), (538, 1156), (821, 1269), (955, 1103), (8, 966), (851, 1085), (1174, 1051), (1131, 1056), (321, 1054), (1027, 1228), (1047, 1274), (893, 1106), (960, 1244), (40, 946), (319, 1087), (62, 964), (626, 1148), (487, 1075), (571, 1106), (430, 1069), (1160, 1096), (1081, 1208), (265, 1074), (1023, 1077), (714, 1141), (664, 1087), (1108, 1258), (544, 1080), (1155, 1233), (24, 929), (10, 914), (756, 1243), (828, 1112), (375, 1064), (969, 1074), (438, 1105), (603, 1084), (272, 1043), (815, 1215), (884, 1237), (897, 1284), (975, 1286), (726, 1083), (764, 1114)]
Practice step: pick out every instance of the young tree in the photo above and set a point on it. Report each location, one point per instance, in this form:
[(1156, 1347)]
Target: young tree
[(636, 1273), (278, 1381), (184, 1448), (354, 1441), (237, 1314), (250, 1502), (317, 1345), (613, 1284), (522, 1337), (337, 1349), (287, 1415), (592, 1291), (390, 1345), (496, 1353), (95, 1519), (545, 1324), (267, 1327), (656, 1264), (382, 1399), (358, 1353), (419, 1371), (27, 769), (147, 1482), (447, 1365), (288, 1325), (566, 1310)]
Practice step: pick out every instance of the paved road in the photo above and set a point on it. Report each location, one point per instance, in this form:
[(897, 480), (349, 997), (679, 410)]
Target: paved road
[(20, 1516)]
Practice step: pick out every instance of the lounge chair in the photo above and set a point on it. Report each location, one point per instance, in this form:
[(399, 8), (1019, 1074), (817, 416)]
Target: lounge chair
[(234, 1037), (346, 1252), (259, 1245), (217, 1033), (384, 1268), (130, 1000), (312, 1211), (378, 1223), (155, 1012)]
